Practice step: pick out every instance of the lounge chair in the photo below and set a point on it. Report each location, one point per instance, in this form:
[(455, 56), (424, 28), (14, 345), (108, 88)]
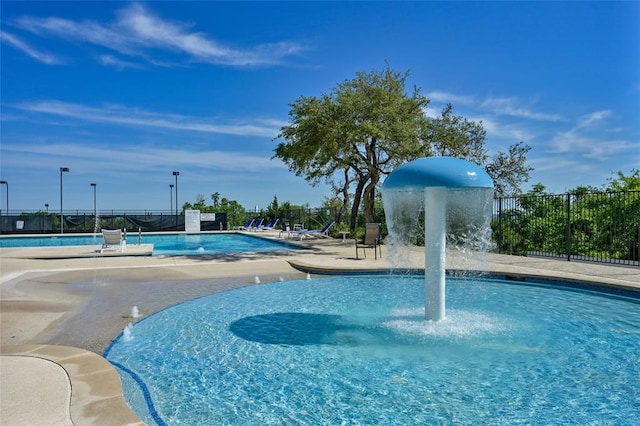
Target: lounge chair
[(256, 226), (244, 227), (112, 238), (314, 232), (371, 240), (287, 229), (270, 226)]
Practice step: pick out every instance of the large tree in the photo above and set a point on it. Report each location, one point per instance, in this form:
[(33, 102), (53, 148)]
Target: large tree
[(365, 128)]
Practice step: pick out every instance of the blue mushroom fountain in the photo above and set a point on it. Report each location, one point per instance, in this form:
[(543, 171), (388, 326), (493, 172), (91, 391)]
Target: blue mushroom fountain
[(456, 196)]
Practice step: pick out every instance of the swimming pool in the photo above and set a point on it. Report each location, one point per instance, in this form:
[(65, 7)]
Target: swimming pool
[(165, 244), (357, 350)]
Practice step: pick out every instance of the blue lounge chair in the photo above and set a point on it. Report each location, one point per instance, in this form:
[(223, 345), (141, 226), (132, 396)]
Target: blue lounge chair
[(315, 232), (246, 226), (269, 226), (256, 226)]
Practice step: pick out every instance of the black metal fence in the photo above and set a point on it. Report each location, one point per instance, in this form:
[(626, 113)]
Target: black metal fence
[(151, 221), (85, 222), (603, 227)]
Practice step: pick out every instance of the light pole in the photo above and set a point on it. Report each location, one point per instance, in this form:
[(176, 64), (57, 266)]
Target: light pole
[(176, 174), (4, 182), (171, 197), (95, 211), (46, 206), (62, 170)]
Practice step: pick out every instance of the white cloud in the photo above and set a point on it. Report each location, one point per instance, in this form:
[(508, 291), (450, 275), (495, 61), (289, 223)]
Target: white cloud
[(516, 131), (511, 107), (430, 113), (83, 156), (504, 118), (552, 163), (447, 97), (589, 138), (594, 118), (117, 63), (87, 31), (27, 49), (117, 114), (137, 32)]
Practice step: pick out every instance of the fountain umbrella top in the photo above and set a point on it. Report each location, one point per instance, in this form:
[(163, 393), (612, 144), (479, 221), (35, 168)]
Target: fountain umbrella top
[(448, 172)]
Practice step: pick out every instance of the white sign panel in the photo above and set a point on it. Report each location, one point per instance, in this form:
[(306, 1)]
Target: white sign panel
[(207, 217), (192, 220)]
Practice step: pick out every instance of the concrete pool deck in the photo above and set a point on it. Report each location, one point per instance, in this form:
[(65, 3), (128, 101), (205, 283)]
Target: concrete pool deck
[(58, 315)]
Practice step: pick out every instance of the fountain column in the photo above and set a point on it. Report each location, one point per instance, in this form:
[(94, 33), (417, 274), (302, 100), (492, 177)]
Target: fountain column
[(435, 223)]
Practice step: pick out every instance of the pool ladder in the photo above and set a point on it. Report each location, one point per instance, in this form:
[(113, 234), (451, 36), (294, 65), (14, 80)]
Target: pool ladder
[(139, 235)]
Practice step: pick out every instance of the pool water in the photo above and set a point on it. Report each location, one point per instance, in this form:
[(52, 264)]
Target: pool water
[(164, 244), (199, 244), (357, 350)]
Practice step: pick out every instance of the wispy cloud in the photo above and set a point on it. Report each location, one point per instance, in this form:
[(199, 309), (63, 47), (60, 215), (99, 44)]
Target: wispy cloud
[(594, 118), (554, 164), (110, 60), (514, 131), (447, 97), (590, 138), (29, 50), (121, 115), (139, 33), (509, 106), (512, 107), (505, 118), (155, 158)]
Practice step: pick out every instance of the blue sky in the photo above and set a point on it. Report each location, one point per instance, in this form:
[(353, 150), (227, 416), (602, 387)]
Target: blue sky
[(125, 93)]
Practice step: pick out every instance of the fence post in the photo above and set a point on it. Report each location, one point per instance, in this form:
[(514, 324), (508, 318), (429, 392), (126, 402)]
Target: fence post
[(501, 231), (568, 228)]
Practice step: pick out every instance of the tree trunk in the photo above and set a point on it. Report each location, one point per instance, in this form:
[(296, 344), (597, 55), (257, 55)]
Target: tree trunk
[(356, 203), (345, 197), (369, 200), (369, 194)]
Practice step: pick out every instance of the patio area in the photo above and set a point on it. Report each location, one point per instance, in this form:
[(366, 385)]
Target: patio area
[(58, 315)]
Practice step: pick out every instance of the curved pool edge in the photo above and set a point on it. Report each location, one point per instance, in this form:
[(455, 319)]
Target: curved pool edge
[(570, 280), (96, 393), (74, 252), (377, 272)]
